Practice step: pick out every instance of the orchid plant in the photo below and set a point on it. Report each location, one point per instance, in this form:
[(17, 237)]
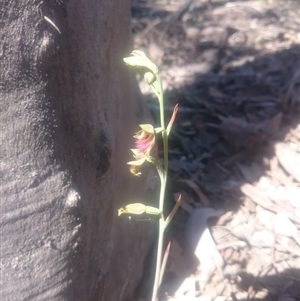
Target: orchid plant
[(144, 151)]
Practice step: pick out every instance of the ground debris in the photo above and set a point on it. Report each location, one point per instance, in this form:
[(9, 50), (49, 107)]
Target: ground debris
[(233, 67)]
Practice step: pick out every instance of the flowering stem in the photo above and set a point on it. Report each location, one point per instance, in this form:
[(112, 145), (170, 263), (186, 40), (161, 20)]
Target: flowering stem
[(145, 140), (163, 178)]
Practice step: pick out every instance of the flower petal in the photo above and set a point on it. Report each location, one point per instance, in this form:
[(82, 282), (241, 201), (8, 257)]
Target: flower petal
[(148, 128), (135, 170), (137, 162)]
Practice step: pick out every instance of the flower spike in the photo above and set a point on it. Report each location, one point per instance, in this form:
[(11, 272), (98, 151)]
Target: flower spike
[(146, 151)]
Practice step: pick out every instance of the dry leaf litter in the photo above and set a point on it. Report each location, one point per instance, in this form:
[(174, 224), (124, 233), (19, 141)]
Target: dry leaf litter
[(234, 69)]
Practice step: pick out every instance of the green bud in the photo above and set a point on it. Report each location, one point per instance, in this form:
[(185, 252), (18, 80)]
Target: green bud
[(139, 59), (138, 208), (149, 77)]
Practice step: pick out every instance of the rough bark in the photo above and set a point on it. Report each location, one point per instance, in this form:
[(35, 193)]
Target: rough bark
[(67, 115)]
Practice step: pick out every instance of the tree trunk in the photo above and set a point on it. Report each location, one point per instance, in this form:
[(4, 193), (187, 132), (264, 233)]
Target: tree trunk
[(67, 117)]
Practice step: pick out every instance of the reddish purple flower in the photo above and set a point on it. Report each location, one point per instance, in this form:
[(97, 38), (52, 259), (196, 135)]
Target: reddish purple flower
[(144, 142)]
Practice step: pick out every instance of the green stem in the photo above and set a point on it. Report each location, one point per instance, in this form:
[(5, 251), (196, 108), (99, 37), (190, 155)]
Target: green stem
[(163, 178), (164, 135), (159, 246), (161, 103)]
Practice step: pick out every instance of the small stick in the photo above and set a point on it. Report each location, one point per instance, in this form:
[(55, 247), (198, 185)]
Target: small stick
[(52, 23)]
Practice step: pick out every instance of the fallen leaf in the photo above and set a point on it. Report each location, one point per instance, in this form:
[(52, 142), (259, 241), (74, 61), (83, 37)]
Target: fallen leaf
[(271, 126), (257, 195), (290, 290), (265, 217), (289, 159), (201, 241), (215, 93), (251, 173), (241, 134), (277, 193), (262, 239), (209, 256), (187, 290), (220, 298), (258, 258), (202, 197), (176, 261), (294, 196), (282, 225), (186, 202)]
